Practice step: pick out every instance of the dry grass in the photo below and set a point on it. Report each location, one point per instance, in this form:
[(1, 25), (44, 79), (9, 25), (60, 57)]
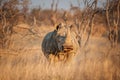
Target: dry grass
[(25, 61)]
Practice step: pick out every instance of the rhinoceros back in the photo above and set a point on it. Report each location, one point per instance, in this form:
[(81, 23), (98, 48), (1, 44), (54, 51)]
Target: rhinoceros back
[(49, 44)]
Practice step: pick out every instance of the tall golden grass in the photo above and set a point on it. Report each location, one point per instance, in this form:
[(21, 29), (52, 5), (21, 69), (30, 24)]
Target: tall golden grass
[(97, 61)]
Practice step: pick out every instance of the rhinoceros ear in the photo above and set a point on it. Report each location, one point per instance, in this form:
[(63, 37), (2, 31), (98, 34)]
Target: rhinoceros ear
[(71, 26), (58, 26)]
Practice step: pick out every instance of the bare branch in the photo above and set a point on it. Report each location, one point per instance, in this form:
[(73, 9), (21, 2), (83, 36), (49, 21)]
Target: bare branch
[(91, 21), (107, 14), (118, 12)]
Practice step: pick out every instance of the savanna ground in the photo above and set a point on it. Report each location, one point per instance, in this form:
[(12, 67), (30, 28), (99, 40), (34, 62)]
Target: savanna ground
[(24, 60)]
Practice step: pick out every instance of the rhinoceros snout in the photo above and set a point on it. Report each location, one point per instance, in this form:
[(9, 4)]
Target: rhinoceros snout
[(67, 48)]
